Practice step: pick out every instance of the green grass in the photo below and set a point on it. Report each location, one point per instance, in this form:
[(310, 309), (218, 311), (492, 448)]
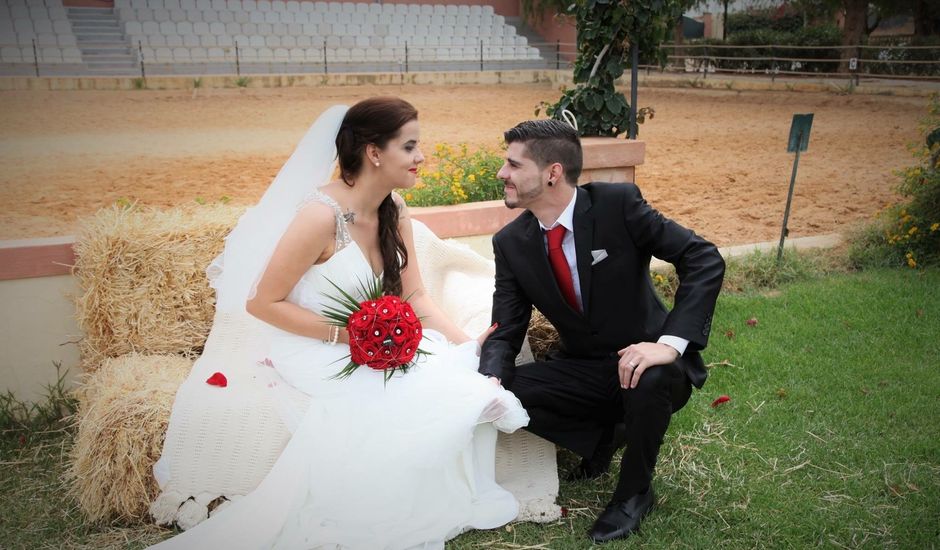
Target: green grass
[(830, 438)]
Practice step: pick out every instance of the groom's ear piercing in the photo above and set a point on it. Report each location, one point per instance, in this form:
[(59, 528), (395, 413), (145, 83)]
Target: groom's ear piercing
[(551, 183)]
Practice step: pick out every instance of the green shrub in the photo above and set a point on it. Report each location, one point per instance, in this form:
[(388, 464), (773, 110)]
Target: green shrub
[(908, 233), (456, 175)]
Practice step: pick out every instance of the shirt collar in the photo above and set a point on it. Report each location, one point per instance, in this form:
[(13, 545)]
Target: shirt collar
[(566, 218)]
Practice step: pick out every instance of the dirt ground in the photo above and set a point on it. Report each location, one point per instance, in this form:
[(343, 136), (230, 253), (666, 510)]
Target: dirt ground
[(716, 160)]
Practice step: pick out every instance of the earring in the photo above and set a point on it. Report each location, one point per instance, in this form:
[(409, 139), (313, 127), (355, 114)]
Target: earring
[(551, 183), (377, 164)]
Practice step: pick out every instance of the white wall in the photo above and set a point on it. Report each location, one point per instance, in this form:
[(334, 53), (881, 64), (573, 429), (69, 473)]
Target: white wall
[(37, 319)]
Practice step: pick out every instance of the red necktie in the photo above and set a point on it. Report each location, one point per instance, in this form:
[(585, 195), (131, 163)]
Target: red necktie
[(556, 257)]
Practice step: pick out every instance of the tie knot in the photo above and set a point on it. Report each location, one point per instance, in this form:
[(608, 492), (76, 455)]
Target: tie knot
[(555, 236)]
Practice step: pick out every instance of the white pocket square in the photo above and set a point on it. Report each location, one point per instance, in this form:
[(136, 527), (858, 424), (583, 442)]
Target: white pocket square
[(598, 255)]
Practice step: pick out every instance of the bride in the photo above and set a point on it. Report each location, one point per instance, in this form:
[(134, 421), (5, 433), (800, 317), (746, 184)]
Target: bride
[(371, 465)]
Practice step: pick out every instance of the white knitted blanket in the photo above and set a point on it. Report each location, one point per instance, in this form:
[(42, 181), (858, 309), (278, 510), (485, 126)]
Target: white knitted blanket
[(219, 446)]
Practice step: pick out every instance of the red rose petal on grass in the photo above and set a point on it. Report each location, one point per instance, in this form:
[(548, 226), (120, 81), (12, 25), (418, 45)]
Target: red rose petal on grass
[(564, 512), (217, 379), (721, 399), (752, 322)]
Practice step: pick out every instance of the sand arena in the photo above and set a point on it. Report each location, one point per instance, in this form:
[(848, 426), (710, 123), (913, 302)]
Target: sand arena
[(716, 160)]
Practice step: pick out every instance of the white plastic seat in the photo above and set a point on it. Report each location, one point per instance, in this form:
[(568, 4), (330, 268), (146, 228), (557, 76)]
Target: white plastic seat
[(133, 27), (296, 55), (272, 17), (224, 41), (265, 54), (293, 6), (156, 40), (304, 41), (163, 55), (300, 18), (248, 54), (187, 4), (362, 42), (71, 55), (10, 54), (233, 5), (23, 25), (43, 26), (174, 40), (264, 29), (338, 29), (177, 15), (249, 5), (346, 42), (57, 12), (67, 40), (309, 7), (200, 28), (249, 28), (184, 28), (278, 5), (218, 5), (226, 16), (294, 29), (257, 17), (272, 41), (256, 41), (203, 4), (181, 55), (199, 54), (151, 27), (208, 41), (190, 40), (450, 19), (279, 29), (310, 29), (210, 16), (216, 54)]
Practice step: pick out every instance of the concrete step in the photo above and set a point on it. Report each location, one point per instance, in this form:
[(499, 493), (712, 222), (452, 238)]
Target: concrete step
[(96, 25)]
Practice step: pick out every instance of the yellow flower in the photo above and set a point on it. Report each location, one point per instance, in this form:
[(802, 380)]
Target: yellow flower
[(911, 263), (912, 230), (471, 178), (934, 227), (437, 175), (408, 196), (439, 147)]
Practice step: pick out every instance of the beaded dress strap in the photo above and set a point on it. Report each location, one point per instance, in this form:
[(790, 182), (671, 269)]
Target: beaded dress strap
[(342, 232)]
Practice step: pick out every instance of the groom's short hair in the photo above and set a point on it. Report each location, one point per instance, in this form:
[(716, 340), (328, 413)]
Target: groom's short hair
[(549, 141)]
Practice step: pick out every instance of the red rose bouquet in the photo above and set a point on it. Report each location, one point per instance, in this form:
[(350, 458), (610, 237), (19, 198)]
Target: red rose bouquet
[(384, 331)]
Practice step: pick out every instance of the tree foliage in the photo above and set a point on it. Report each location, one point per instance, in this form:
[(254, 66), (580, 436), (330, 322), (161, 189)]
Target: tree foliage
[(606, 31)]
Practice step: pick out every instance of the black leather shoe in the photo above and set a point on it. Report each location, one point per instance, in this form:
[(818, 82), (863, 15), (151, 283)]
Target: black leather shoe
[(622, 518), (599, 463)]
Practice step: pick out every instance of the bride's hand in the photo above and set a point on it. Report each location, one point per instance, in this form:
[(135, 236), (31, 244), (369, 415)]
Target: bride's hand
[(484, 335)]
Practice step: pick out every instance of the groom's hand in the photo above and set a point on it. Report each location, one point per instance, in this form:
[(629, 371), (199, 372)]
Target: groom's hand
[(635, 359)]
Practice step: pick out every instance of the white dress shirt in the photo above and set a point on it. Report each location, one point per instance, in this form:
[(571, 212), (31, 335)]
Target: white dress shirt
[(566, 219)]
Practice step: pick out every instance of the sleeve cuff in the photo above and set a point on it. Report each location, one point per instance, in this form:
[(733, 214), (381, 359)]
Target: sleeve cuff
[(679, 344)]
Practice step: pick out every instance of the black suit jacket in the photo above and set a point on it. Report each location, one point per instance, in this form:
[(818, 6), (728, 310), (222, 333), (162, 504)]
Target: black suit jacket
[(620, 304)]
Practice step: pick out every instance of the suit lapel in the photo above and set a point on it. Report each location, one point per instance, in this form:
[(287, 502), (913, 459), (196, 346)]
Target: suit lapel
[(583, 240)]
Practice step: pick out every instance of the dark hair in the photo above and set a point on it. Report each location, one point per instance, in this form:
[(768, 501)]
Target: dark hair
[(377, 121), (549, 141)]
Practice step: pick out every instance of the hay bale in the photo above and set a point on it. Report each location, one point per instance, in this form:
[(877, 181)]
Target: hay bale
[(542, 335), (141, 272), (124, 408)]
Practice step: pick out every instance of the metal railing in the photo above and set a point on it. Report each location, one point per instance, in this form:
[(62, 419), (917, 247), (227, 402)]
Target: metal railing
[(773, 60)]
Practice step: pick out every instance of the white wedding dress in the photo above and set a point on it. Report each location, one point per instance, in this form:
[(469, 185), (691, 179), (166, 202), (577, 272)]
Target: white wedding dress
[(370, 465)]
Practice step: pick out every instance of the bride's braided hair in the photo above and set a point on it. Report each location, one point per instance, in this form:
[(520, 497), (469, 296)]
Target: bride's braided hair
[(376, 121)]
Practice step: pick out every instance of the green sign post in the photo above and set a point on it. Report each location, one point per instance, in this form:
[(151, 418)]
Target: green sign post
[(798, 142)]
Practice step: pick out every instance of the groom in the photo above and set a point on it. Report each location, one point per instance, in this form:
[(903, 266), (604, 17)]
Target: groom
[(581, 256)]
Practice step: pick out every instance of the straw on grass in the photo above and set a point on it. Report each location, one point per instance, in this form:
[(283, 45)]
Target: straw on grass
[(124, 408), (542, 335), (141, 272)]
